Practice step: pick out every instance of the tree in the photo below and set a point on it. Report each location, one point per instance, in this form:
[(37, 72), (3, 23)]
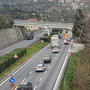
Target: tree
[(79, 25)]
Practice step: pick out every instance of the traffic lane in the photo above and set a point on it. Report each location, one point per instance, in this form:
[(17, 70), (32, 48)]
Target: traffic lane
[(27, 69), (49, 79), (22, 44)]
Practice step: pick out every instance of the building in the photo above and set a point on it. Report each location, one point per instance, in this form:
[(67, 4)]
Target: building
[(50, 0), (32, 27)]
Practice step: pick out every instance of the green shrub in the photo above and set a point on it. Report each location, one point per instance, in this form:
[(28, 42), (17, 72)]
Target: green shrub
[(54, 33), (9, 59), (46, 38), (57, 30)]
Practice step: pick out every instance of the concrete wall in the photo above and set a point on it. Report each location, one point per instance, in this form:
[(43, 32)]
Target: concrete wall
[(10, 36)]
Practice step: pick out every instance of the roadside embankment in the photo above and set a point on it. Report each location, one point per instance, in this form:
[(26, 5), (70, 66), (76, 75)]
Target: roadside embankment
[(10, 36), (78, 75)]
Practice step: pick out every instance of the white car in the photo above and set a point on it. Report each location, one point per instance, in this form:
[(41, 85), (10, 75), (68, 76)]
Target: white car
[(55, 49), (40, 67), (66, 41)]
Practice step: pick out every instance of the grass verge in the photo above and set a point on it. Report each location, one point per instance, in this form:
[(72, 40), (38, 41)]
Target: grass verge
[(30, 50), (78, 76), (69, 74)]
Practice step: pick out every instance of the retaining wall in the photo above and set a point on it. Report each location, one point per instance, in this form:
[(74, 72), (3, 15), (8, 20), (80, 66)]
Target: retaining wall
[(10, 36)]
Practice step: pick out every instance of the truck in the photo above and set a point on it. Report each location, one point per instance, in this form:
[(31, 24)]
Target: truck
[(29, 35), (54, 41)]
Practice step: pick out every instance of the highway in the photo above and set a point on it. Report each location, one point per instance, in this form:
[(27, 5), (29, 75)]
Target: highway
[(22, 44), (40, 80)]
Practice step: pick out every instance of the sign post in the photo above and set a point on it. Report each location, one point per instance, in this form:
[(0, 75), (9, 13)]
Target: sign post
[(11, 80), (69, 54), (15, 57)]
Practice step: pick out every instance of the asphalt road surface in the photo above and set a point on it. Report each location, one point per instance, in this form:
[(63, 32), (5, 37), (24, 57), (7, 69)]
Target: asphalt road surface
[(40, 80), (22, 44)]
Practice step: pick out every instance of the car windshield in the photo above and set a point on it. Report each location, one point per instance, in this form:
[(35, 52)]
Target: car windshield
[(46, 58), (55, 48), (40, 65), (22, 86)]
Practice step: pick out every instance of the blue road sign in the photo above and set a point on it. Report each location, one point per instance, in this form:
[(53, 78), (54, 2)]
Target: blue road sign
[(11, 80)]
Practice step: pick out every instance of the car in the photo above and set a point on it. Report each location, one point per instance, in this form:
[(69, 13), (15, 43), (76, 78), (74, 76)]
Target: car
[(47, 59), (66, 41), (55, 50), (25, 86), (40, 67), (45, 34)]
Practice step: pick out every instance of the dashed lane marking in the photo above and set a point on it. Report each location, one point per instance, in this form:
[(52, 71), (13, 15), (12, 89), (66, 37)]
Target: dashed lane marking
[(40, 79), (49, 66), (35, 88), (24, 79), (31, 72), (45, 72)]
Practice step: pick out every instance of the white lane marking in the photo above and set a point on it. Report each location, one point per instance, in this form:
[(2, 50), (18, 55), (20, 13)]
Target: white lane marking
[(23, 65), (30, 72), (40, 79), (49, 66), (54, 58), (40, 62), (52, 62), (45, 72), (35, 88), (24, 79)]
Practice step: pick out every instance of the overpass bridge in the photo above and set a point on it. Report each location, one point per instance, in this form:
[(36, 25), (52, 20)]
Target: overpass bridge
[(26, 23)]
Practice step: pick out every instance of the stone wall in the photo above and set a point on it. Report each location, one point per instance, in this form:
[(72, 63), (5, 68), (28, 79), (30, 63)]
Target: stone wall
[(10, 36)]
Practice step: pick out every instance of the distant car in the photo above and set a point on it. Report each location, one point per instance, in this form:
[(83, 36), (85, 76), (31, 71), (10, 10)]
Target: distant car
[(45, 34), (29, 35), (47, 59), (40, 67), (66, 41), (55, 50), (25, 86)]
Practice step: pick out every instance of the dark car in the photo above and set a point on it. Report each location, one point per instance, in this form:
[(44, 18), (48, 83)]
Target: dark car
[(25, 86), (29, 35), (47, 59)]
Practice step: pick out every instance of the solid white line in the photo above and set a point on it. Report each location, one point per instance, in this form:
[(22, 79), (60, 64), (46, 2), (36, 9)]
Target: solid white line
[(35, 87), (45, 72), (40, 79), (23, 65), (23, 79), (30, 72), (52, 61)]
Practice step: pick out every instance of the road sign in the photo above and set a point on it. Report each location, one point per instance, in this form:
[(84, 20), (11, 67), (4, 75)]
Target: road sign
[(69, 54), (15, 56), (11, 80)]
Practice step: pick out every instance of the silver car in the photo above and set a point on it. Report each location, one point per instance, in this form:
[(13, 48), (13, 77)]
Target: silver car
[(55, 49), (40, 67)]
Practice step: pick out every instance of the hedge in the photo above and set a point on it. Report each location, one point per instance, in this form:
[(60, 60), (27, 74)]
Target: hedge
[(57, 30), (46, 38), (7, 60)]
